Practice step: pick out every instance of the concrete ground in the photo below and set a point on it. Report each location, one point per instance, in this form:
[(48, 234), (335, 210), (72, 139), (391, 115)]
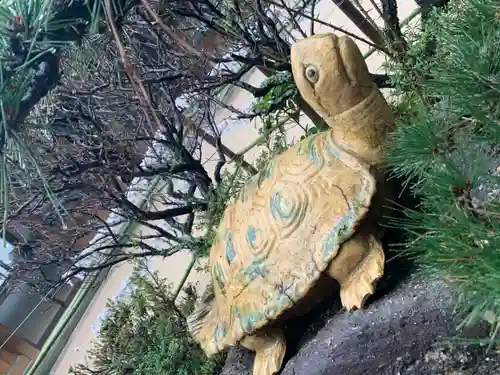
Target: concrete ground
[(234, 137)]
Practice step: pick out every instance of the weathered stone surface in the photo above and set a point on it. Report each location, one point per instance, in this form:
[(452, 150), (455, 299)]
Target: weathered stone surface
[(405, 332)]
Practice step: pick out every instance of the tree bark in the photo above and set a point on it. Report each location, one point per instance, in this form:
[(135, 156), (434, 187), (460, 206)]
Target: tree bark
[(361, 22)]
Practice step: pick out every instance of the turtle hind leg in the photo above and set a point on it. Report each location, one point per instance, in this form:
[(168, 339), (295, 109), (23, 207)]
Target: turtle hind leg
[(357, 267), (270, 347)]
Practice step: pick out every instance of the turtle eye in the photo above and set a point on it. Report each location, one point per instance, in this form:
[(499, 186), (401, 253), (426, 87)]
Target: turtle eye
[(312, 73)]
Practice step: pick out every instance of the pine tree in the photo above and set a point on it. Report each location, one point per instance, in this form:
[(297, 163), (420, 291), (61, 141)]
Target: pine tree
[(34, 35), (145, 333), (446, 147)]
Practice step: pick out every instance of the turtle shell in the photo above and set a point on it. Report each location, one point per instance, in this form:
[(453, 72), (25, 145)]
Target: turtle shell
[(279, 235)]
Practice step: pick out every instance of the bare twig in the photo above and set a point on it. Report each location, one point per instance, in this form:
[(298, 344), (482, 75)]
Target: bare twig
[(333, 27)]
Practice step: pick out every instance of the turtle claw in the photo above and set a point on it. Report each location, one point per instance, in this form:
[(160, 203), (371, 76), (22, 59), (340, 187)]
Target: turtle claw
[(357, 267), (355, 294)]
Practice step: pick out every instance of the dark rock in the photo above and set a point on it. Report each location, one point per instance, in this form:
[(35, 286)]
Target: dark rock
[(239, 361), (405, 332)]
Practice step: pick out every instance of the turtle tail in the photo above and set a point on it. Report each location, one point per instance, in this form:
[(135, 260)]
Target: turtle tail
[(200, 321)]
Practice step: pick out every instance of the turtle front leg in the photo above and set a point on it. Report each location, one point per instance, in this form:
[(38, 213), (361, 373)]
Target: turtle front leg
[(270, 347), (357, 266)]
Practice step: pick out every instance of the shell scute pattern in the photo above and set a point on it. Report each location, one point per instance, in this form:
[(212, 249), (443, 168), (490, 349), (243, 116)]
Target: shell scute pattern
[(253, 271), (247, 319), (252, 233), (341, 230), (219, 332), (230, 251), (218, 276), (288, 207), (284, 234)]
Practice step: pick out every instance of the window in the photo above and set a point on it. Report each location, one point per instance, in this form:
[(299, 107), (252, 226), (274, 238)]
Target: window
[(5, 260)]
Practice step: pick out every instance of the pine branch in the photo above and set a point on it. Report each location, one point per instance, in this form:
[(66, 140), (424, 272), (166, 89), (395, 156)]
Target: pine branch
[(68, 22), (448, 152)]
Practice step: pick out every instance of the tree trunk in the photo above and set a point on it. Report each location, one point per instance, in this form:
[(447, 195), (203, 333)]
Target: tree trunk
[(361, 22), (309, 111)]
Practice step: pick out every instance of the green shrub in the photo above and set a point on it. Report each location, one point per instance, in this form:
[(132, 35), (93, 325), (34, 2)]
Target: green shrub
[(314, 130), (281, 95), (144, 333), (219, 196)]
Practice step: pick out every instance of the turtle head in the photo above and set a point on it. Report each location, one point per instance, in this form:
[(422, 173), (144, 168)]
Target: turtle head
[(330, 73)]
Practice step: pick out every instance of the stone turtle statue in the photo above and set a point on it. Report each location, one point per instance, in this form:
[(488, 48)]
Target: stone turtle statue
[(312, 211)]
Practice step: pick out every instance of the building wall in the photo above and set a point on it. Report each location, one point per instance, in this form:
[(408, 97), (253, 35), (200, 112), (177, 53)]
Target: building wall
[(16, 353), (33, 314), (237, 135), (29, 319)]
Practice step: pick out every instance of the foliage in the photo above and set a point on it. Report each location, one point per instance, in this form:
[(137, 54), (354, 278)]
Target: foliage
[(33, 35), (274, 146), (145, 333), (276, 108), (446, 147), (219, 197), (278, 105), (318, 128), (281, 95)]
